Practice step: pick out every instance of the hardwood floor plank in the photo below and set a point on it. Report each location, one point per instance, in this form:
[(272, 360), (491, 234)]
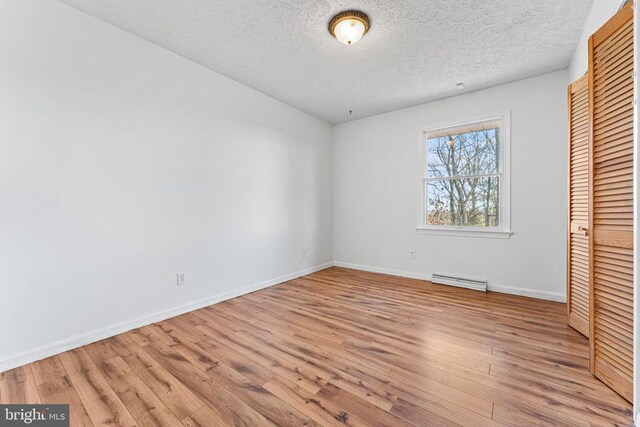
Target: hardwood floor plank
[(276, 410), (101, 351), (361, 409), (145, 407), (335, 348), (443, 397), (238, 361), (102, 404), (18, 386), (226, 405), (205, 417), (307, 357), (176, 396), (47, 370), (324, 411), (279, 366), (419, 416), (61, 390), (591, 393), (523, 416)]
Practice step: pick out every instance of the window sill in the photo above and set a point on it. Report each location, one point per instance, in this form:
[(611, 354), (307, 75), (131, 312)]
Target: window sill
[(462, 232)]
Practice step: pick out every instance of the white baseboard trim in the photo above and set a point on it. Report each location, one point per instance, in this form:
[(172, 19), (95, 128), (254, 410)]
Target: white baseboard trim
[(533, 293), (381, 270), (88, 338), (526, 292)]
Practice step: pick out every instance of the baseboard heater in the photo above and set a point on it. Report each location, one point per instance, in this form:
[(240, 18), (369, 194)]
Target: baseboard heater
[(461, 282)]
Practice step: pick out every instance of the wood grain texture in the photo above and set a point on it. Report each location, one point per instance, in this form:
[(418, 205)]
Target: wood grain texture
[(336, 348), (611, 195), (578, 221)]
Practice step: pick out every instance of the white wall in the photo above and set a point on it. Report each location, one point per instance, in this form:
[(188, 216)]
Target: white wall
[(122, 164), (377, 191), (600, 13)]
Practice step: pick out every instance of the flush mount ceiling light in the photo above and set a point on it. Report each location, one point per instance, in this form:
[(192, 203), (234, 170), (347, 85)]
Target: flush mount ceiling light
[(349, 27)]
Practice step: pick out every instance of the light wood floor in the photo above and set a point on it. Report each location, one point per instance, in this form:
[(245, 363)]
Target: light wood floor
[(338, 347)]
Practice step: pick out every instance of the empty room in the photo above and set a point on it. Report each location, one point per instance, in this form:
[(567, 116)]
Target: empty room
[(319, 213)]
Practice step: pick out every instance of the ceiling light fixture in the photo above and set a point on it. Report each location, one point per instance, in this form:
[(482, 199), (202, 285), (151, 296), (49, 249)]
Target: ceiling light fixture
[(349, 27)]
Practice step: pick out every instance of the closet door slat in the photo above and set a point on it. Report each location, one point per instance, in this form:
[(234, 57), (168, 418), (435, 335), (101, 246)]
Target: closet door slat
[(578, 242), (611, 202)]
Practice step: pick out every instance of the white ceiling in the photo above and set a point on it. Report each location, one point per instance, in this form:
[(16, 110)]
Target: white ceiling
[(416, 50)]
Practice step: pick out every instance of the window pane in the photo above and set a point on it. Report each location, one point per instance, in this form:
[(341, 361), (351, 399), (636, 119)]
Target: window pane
[(463, 154), (463, 202)]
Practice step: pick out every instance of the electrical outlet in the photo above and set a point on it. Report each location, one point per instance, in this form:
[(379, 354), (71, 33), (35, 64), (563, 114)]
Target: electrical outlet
[(181, 279), (304, 253), (412, 254)]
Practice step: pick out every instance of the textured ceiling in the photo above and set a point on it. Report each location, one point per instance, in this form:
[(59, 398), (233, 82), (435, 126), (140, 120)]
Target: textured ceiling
[(416, 50)]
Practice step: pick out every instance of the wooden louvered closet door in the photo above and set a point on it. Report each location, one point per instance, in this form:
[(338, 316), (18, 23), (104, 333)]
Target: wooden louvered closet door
[(611, 202), (578, 241)]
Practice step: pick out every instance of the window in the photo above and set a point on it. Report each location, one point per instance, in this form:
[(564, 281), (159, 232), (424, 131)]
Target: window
[(465, 185)]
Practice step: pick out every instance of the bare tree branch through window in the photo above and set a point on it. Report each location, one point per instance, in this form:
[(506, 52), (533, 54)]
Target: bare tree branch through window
[(462, 182)]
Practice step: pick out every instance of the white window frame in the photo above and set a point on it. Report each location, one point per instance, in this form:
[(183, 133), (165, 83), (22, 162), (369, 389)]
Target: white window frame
[(503, 230)]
